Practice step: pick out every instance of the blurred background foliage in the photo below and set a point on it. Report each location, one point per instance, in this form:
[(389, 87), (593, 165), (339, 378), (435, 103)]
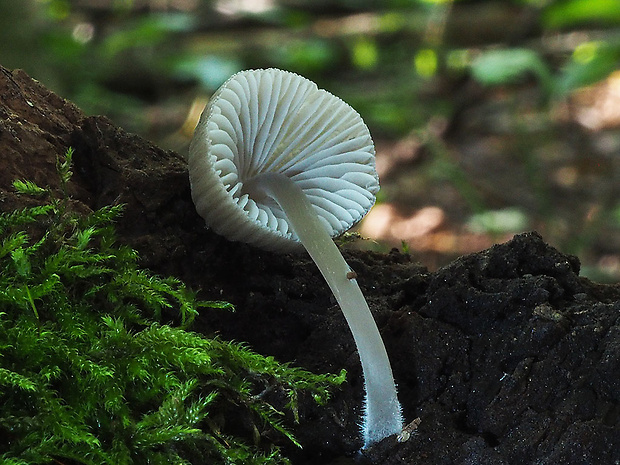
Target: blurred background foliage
[(490, 117)]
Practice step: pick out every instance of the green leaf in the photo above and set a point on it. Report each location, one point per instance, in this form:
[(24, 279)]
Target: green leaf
[(12, 243), (497, 67), (21, 262), (63, 167), (11, 378), (96, 377), (25, 216), (574, 12), (590, 63), (498, 221), (216, 304), (84, 237), (28, 188)]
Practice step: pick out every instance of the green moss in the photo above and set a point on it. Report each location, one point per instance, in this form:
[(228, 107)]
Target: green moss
[(91, 374)]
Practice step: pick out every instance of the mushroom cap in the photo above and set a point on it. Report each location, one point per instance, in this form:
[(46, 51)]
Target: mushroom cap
[(274, 121)]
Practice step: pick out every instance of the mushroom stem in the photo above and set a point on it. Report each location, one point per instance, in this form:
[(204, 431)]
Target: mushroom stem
[(382, 413)]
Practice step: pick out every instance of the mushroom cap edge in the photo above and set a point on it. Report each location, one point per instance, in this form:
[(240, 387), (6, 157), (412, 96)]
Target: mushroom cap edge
[(245, 112)]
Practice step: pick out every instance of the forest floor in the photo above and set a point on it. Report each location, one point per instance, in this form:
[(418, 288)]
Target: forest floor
[(506, 356)]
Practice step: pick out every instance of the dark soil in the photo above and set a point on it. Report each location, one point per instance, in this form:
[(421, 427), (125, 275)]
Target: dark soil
[(507, 356)]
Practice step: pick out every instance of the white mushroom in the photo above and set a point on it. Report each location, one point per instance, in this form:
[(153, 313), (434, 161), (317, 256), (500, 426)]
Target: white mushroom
[(277, 162)]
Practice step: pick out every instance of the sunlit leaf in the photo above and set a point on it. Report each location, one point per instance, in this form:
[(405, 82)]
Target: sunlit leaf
[(210, 70), (590, 63), (425, 62), (507, 66), (306, 56), (573, 12), (365, 53), (498, 221), (28, 188)]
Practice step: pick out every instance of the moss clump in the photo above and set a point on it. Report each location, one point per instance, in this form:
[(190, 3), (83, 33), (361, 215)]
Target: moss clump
[(89, 372)]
